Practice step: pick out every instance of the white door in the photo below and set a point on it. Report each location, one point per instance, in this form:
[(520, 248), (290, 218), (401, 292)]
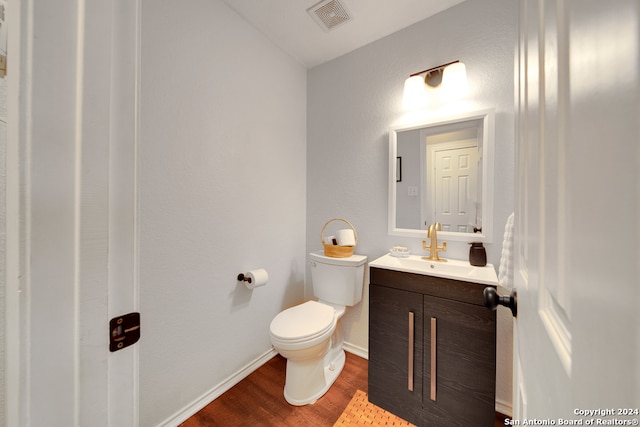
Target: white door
[(71, 206), (577, 334)]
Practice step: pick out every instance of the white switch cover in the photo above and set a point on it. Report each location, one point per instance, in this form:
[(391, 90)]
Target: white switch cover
[(412, 191)]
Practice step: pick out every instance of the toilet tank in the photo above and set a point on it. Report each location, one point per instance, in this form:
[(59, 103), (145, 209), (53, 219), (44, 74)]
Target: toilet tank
[(337, 280)]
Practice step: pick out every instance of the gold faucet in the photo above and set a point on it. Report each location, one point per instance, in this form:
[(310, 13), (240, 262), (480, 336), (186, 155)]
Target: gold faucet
[(432, 234)]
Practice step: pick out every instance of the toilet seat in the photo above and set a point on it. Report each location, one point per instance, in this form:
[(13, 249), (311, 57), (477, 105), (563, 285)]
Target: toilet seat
[(303, 323)]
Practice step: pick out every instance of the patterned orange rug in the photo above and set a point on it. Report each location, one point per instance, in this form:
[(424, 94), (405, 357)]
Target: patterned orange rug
[(360, 412)]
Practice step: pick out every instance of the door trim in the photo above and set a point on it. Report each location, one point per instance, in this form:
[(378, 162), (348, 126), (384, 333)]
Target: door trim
[(15, 245), (124, 247)]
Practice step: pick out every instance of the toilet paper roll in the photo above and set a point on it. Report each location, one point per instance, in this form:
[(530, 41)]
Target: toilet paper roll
[(346, 237), (257, 278), (331, 240)]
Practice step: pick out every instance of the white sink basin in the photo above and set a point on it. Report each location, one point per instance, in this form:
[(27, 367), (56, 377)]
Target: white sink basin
[(451, 269)]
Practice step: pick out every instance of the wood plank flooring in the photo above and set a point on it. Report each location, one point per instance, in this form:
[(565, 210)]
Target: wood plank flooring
[(258, 400)]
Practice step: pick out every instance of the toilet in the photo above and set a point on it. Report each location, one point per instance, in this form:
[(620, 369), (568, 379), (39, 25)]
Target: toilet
[(309, 335)]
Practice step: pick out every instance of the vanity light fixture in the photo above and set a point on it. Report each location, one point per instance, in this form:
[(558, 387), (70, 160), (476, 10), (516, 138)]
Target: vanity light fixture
[(451, 77)]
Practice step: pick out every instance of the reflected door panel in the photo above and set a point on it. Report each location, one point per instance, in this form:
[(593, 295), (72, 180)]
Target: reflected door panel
[(453, 190)]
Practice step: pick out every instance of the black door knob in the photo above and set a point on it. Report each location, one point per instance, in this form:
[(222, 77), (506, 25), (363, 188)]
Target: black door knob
[(492, 300)]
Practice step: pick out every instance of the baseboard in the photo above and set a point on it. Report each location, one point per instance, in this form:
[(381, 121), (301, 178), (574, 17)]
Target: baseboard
[(215, 392), (504, 408), (358, 351)]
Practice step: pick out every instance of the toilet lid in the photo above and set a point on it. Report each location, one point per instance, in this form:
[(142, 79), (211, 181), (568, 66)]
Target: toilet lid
[(304, 320)]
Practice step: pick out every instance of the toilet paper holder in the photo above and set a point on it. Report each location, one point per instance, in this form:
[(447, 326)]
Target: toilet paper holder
[(254, 278), (243, 278)]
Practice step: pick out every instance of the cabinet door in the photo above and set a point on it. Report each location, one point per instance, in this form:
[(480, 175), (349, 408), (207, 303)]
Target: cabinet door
[(395, 378), (463, 392)]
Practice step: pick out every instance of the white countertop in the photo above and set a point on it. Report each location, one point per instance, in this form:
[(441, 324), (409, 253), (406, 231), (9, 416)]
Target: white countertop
[(451, 269)]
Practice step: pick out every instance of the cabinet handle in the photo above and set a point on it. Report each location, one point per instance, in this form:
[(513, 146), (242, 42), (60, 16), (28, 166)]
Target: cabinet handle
[(411, 343), (433, 359)]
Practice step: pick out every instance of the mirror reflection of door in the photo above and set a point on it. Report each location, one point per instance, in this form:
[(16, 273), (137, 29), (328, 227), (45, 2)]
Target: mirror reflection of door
[(453, 186), (451, 191)]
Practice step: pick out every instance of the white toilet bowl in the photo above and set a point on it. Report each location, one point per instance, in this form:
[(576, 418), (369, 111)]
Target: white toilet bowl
[(310, 338), (309, 335)]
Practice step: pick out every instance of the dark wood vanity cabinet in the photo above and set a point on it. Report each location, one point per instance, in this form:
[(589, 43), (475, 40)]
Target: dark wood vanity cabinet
[(449, 381)]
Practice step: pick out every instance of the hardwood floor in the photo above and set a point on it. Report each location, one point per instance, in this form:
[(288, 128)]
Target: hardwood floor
[(258, 400)]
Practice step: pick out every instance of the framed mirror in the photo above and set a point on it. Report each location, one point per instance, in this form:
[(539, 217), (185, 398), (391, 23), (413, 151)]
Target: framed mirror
[(442, 170)]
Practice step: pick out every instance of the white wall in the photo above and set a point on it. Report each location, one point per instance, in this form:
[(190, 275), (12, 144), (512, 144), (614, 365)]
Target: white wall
[(354, 99), (222, 186)]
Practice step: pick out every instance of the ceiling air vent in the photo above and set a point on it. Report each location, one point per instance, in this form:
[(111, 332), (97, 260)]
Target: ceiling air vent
[(328, 14)]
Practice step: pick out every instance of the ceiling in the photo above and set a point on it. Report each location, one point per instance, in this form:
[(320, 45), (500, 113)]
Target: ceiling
[(288, 25)]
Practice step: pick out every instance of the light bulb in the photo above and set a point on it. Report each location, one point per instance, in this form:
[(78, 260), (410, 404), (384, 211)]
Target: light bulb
[(454, 82), (415, 93)]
